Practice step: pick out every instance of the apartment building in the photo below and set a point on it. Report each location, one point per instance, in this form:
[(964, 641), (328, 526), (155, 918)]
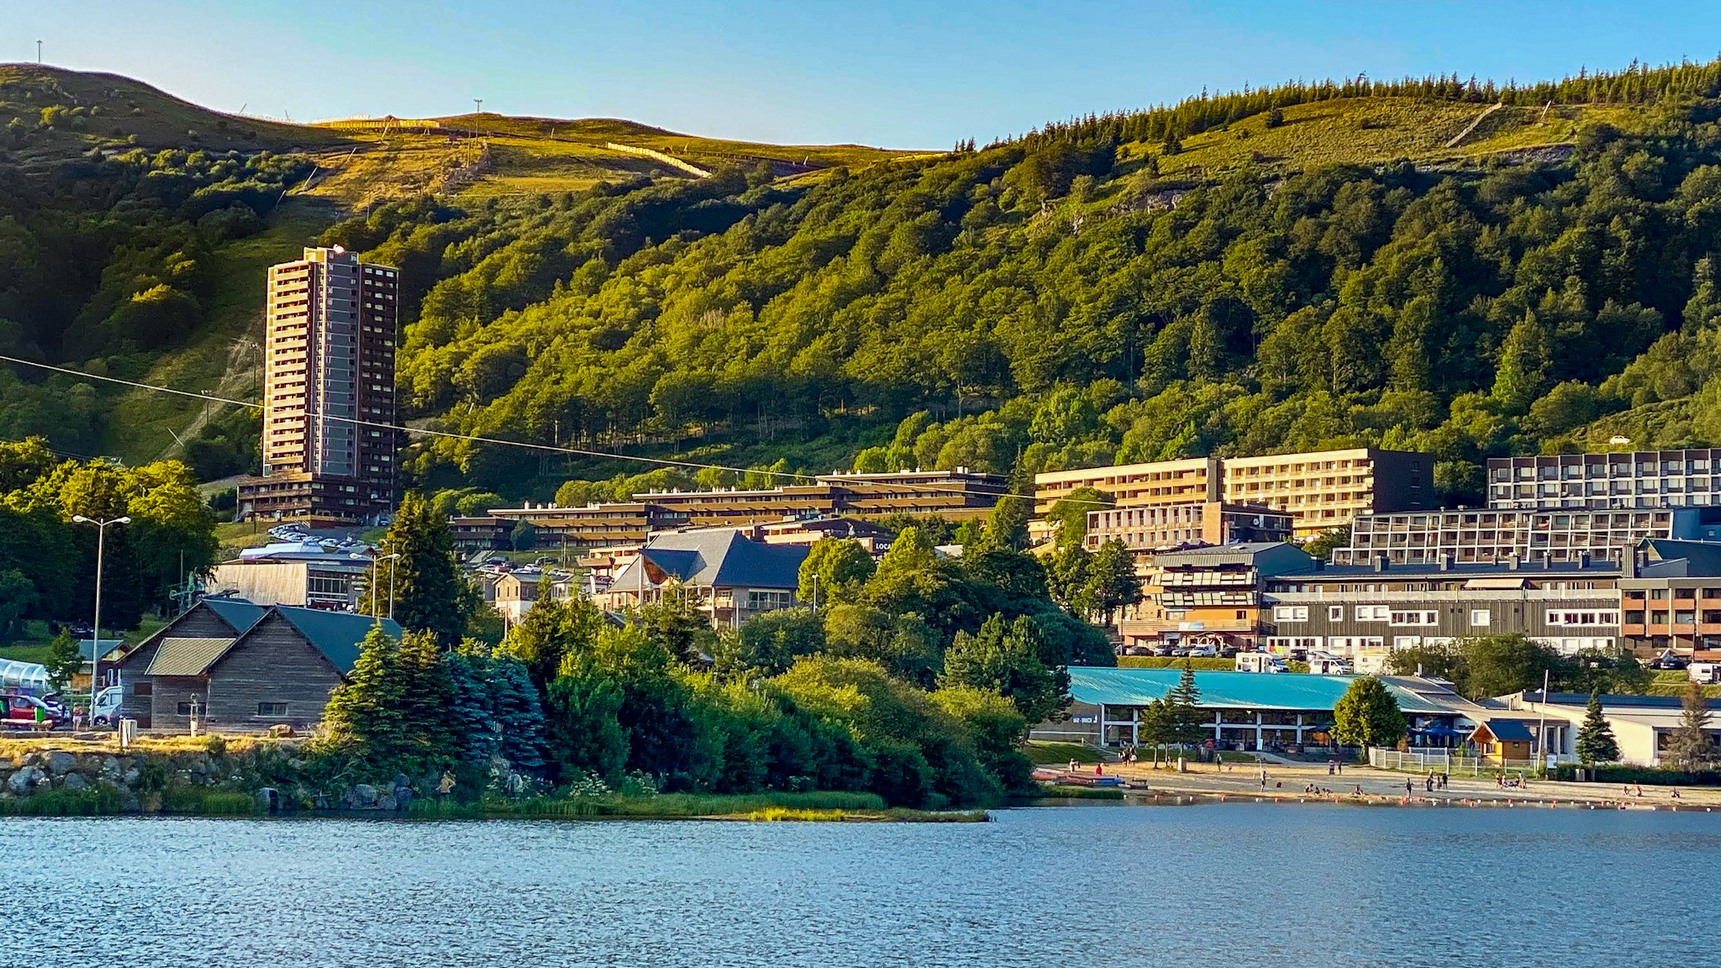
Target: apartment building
[(591, 525), (1670, 597), (1158, 527), (1474, 536), (1640, 479), (1210, 595), (328, 390), (1320, 491), (1329, 489), (1364, 612)]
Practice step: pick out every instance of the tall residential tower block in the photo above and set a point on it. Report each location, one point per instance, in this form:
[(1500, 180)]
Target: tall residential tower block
[(328, 390)]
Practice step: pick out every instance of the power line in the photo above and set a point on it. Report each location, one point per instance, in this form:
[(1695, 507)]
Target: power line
[(475, 438)]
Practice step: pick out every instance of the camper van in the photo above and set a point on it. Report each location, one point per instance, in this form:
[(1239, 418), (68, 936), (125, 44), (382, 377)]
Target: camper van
[(1707, 673), (1327, 665), (1260, 662)]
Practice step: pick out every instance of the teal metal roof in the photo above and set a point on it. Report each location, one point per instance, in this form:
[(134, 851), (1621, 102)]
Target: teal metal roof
[(1230, 690), (335, 634), (236, 612)]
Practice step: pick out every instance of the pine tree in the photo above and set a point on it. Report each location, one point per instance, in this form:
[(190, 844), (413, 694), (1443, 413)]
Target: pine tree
[(426, 585), (1595, 743), (1689, 746), (1183, 710), (364, 714), (426, 698)]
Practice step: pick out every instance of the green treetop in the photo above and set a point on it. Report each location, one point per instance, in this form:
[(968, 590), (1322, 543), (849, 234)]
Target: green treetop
[(1368, 715), (1595, 743)]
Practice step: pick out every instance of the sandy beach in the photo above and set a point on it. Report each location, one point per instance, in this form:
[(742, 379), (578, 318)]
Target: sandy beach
[(1291, 783)]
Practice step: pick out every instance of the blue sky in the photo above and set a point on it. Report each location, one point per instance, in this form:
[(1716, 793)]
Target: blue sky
[(895, 73)]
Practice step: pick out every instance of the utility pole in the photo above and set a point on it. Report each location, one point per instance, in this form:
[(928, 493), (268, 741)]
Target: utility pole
[(38, 52), (477, 105)]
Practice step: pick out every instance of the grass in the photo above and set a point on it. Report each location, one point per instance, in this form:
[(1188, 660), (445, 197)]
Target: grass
[(95, 801), (661, 806), (201, 802), (1060, 754), (225, 356), (1059, 791), (1377, 130)]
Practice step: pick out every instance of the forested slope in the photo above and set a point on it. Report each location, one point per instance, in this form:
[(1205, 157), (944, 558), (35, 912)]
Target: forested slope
[(1401, 264), (1079, 296)]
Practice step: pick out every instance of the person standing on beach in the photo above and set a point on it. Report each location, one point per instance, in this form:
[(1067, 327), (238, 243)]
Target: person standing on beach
[(1408, 789)]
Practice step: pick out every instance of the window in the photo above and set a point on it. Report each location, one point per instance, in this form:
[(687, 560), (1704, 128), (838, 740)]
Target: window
[(1372, 613), (143, 687), (1290, 613), (271, 709), (1417, 617), (1481, 617), (1335, 613), (185, 708)]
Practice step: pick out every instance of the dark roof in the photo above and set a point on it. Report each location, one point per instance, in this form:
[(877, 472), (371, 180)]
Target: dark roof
[(335, 634), (238, 613), (1681, 559), (1528, 570), (1508, 730), (1614, 700), (721, 559), (1270, 558)]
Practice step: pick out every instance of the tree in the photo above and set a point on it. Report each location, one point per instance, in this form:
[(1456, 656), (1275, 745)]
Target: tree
[(1068, 515), (524, 537), (364, 713), (1595, 743), (64, 658), (835, 571), (1368, 715), (1006, 524), (1182, 711), (429, 590), (1689, 746), (768, 644), (1112, 583), (1324, 544), (1006, 660), (1275, 116), (1154, 726), (551, 631)]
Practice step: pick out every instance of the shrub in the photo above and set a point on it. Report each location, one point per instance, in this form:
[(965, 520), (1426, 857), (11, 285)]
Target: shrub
[(1641, 774)]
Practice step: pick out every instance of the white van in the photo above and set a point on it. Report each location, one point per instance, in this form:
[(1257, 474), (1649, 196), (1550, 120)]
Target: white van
[(106, 711), (1326, 665), (1707, 673), (1260, 662)]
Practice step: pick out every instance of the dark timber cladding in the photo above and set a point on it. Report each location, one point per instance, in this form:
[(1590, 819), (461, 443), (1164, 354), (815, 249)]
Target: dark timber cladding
[(242, 666)]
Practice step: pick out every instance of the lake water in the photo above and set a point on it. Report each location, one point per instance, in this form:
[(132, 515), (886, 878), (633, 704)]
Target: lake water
[(1224, 885)]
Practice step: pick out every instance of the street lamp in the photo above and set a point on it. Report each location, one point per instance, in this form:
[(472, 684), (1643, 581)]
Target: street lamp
[(96, 643), (373, 583)]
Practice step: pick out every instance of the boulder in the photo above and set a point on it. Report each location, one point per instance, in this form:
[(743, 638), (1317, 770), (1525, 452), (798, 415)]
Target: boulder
[(60, 762), (111, 767), (129, 777), (281, 730), (22, 781), (386, 802), (74, 781), (362, 795)]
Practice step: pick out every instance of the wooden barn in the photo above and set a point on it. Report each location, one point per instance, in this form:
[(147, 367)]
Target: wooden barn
[(242, 666)]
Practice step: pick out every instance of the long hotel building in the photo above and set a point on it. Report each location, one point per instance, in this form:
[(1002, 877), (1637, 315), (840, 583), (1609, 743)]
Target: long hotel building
[(1320, 491), (328, 390)]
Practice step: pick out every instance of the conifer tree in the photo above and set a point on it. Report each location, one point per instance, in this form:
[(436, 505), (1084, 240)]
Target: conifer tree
[(426, 585), (1595, 743), (1689, 746), (1183, 711), (364, 714)]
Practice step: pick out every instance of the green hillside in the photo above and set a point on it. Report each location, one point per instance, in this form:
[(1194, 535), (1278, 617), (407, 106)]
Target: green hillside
[(1432, 263)]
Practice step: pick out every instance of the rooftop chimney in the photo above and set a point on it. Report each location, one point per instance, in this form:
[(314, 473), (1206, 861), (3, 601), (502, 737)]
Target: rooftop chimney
[(1512, 561), (1382, 562), (1445, 562)]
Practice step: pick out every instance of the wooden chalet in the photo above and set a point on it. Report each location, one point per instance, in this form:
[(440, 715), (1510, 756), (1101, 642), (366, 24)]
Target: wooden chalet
[(242, 666)]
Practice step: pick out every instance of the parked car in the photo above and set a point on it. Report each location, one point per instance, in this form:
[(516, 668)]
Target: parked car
[(1202, 652), (1163, 650), (1667, 660), (30, 712), (1707, 673), (1227, 652)]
